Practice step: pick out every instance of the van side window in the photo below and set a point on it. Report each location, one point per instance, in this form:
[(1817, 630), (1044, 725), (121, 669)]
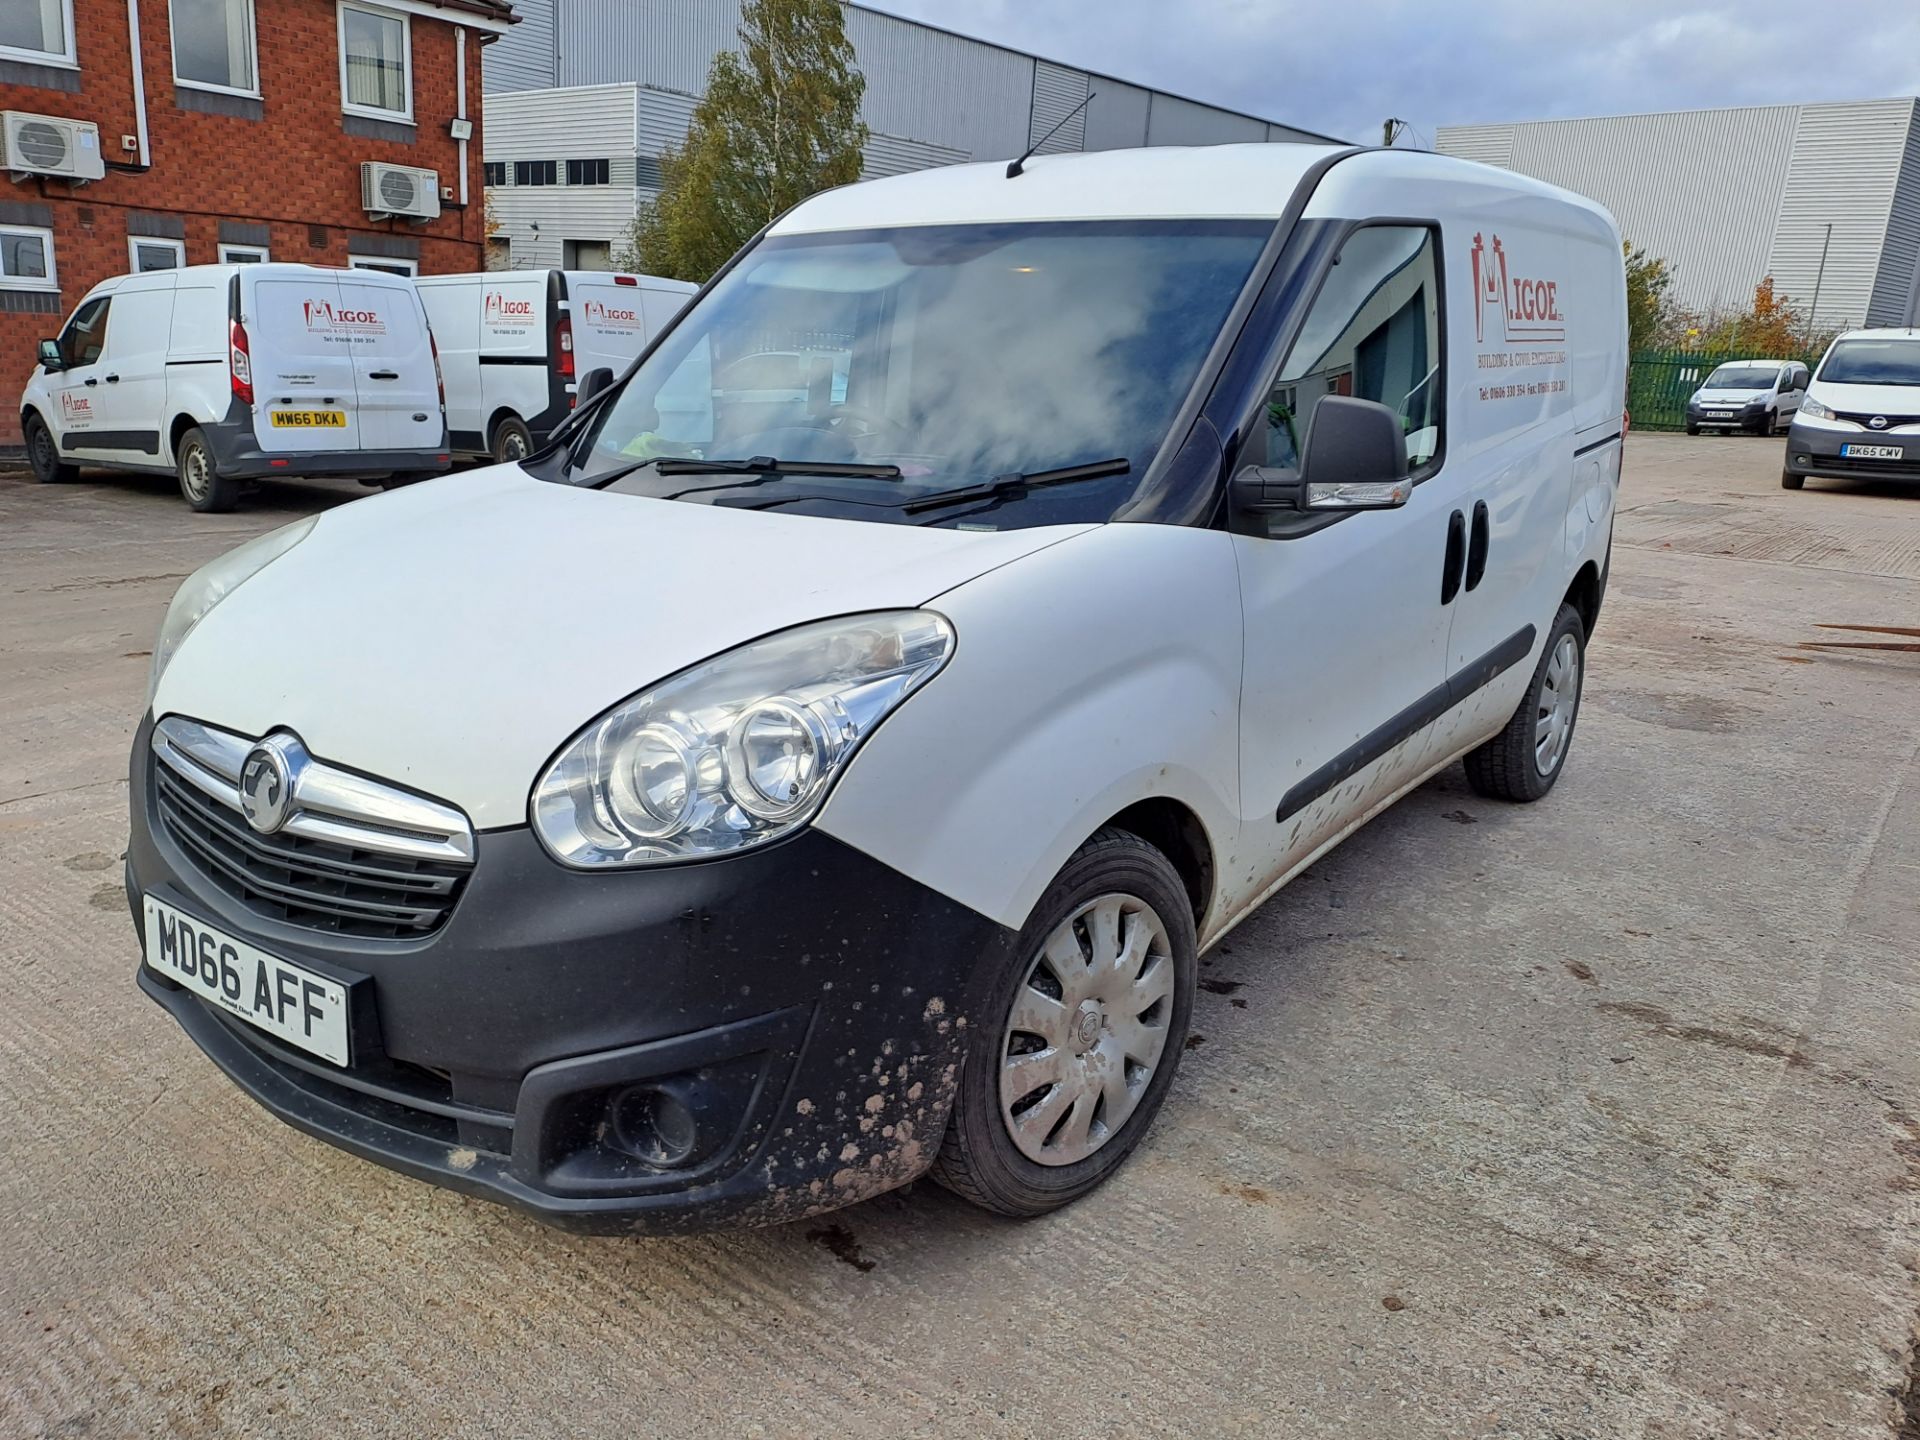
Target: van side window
[(86, 334), (1373, 332)]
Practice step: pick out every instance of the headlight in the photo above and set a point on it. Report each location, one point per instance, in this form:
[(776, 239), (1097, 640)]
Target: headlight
[(1814, 410), (212, 583), (738, 750)]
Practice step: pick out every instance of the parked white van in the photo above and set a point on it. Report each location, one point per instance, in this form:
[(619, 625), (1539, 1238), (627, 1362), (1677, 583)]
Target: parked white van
[(1761, 396), (220, 374), (514, 342), (836, 782), (1860, 419)]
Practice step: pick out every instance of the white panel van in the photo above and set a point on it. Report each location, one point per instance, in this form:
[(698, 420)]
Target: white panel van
[(1035, 574), (220, 374), (514, 342)]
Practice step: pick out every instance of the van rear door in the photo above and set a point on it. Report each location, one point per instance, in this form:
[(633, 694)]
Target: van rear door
[(393, 362), (609, 326), (301, 344)]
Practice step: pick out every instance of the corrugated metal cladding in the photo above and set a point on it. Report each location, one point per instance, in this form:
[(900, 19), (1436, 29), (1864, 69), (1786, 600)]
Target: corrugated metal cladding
[(1116, 117), (1896, 291), (1845, 160), (521, 59), (1059, 98), (579, 122), (890, 155), (924, 86), (1731, 196), (664, 118)]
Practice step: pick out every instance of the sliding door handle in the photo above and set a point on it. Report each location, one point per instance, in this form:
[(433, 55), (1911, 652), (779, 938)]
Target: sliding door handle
[(1456, 558), (1477, 547)]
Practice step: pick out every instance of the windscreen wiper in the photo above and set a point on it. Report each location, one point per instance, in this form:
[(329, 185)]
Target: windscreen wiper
[(764, 465), (1011, 487)]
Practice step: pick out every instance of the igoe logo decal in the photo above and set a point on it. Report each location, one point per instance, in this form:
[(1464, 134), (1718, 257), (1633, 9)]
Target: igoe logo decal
[(1517, 325)]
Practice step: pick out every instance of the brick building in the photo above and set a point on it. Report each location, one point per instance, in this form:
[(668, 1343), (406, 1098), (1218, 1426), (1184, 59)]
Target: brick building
[(228, 130)]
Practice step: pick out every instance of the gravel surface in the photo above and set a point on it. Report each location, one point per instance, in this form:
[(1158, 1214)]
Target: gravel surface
[(1594, 1118)]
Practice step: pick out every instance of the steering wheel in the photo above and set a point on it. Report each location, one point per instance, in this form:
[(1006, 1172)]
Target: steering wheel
[(872, 419)]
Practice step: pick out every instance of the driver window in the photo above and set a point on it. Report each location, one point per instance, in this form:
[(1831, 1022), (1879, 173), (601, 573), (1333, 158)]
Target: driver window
[(86, 334), (1373, 332)]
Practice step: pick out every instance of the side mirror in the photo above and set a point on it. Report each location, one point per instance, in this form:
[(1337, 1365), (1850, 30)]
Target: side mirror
[(1354, 457), (50, 355), (591, 384)]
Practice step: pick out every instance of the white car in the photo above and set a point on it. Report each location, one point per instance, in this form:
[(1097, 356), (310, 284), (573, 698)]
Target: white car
[(1761, 396), (1860, 419), (761, 806), (514, 345), (221, 374)]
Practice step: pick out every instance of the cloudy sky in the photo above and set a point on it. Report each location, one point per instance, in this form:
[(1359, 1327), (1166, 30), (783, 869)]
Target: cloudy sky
[(1342, 66)]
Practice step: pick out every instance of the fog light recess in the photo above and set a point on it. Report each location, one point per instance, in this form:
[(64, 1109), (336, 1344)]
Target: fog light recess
[(654, 1126)]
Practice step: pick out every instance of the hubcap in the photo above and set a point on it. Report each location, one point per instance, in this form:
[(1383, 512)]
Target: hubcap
[(513, 446), (1087, 1031), (1559, 699), (193, 470)]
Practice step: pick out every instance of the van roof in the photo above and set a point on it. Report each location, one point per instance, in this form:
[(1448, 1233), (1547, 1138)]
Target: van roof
[(1888, 332), (1253, 181), (273, 267), (495, 277)]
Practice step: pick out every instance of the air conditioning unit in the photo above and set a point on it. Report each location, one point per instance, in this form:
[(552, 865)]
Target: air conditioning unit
[(49, 145), (399, 190)]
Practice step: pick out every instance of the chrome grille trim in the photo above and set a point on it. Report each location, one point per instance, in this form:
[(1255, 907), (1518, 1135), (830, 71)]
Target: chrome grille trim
[(329, 804)]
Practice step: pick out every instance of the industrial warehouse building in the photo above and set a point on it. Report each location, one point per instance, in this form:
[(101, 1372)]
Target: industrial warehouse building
[(1824, 198), (582, 97)]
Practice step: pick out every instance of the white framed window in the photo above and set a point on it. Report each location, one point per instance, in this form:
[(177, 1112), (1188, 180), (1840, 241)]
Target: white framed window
[(243, 255), (376, 62), (213, 45), (26, 258), (149, 252), (40, 31), (408, 268)]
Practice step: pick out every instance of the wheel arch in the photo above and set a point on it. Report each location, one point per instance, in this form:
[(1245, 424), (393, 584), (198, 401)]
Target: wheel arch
[(1584, 595), (176, 431), (1177, 832), (503, 413)]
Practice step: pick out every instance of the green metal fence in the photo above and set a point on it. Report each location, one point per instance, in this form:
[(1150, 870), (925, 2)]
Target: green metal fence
[(1659, 382)]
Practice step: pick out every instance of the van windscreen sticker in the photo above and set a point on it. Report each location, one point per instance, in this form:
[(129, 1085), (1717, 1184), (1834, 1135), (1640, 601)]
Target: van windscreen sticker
[(1518, 326)]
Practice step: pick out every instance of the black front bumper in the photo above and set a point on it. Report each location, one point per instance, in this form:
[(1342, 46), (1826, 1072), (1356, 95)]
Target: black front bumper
[(1816, 453), (1745, 418), (806, 1001)]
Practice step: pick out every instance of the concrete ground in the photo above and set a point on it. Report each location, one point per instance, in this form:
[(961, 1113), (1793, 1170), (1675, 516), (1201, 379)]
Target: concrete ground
[(1594, 1118)]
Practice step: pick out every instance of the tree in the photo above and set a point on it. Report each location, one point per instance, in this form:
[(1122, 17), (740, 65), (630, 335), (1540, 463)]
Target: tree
[(1772, 328), (1650, 311), (780, 121)]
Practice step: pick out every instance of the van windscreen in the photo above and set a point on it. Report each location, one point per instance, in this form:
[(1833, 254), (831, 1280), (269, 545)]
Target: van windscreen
[(1743, 377), (954, 354), (1872, 362)]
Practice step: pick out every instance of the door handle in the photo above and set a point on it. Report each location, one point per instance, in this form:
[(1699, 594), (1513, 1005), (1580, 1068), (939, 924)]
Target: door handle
[(113, 379), (1477, 548), (383, 375), (1456, 560), (93, 380)]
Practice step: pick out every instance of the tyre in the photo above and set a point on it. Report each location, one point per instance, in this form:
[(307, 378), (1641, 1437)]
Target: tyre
[(1692, 429), (43, 455), (201, 484), (511, 440), (1791, 481), (1524, 760), (1078, 1035)]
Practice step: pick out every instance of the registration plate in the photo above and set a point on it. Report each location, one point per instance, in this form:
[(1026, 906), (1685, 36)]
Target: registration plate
[(288, 1001), (309, 419), (1872, 452)]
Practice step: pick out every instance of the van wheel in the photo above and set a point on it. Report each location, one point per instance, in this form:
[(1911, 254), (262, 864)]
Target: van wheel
[(1078, 1036), (1693, 429), (44, 456), (1791, 481), (201, 484), (1524, 760), (511, 440)]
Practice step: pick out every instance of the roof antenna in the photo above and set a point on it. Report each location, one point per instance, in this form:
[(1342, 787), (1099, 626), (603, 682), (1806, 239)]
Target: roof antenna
[(1018, 167)]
